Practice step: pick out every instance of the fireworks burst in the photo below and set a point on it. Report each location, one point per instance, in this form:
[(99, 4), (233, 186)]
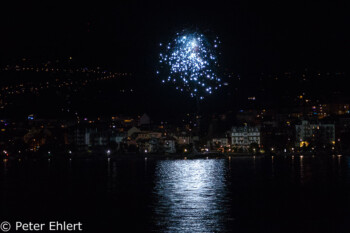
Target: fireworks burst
[(189, 63)]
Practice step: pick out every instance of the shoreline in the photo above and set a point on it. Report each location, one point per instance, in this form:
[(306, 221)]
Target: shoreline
[(132, 156)]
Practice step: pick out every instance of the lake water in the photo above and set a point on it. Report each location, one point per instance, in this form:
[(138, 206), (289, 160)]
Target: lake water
[(248, 194)]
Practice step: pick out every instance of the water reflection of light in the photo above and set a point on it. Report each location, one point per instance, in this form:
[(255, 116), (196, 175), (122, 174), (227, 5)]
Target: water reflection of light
[(112, 173), (346, 162), (339, 165), (302, 170), (190, 195), (254, 164), (5, 166)]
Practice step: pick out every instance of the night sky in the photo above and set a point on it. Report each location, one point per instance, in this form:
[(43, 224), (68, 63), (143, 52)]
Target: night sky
[(265, 36)]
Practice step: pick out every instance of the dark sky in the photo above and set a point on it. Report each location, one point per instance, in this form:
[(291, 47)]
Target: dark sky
[(264, 36)]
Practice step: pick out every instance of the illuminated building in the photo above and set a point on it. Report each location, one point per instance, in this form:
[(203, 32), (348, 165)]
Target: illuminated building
[(317, 132), (244, 136), (221, 141), (169, 145)]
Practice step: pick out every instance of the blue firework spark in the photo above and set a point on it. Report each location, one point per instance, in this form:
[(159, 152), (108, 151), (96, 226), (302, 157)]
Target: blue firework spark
[(189, 62)]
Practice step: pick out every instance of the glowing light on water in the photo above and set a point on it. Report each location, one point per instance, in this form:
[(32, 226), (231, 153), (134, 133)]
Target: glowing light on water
[(190, 191)]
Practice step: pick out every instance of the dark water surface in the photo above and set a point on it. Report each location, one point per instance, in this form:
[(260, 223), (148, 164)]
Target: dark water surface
[(280, 194)]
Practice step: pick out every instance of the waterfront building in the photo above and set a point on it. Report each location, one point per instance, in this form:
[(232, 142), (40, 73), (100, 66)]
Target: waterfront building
[(169, 144), (244, 136), (316, 132), (223, 141)]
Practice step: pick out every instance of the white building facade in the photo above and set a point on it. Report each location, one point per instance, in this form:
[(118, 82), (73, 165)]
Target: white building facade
[(243, 137)]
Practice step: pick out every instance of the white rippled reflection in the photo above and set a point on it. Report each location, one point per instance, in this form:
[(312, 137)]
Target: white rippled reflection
[(190, 195)]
